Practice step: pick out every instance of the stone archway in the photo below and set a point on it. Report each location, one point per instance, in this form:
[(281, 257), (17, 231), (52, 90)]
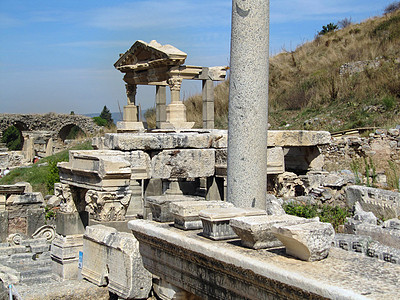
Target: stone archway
[(70, 131)]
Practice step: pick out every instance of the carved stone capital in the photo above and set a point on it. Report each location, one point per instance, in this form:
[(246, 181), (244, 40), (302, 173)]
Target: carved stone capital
[(131, 90), (175, 83)]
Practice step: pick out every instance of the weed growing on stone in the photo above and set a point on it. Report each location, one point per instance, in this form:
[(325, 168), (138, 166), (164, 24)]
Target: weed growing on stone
[(335, 215)]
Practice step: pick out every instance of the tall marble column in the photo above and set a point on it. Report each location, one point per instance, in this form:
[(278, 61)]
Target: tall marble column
[(248, 104)]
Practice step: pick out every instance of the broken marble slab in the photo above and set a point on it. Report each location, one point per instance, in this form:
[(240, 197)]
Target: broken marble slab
[(307, 241), (186, 213), (160, 205), (256, 232), (216, 221)]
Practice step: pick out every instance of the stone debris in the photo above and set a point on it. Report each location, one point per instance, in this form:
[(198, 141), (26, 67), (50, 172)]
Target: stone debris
[(382, 203), (367, 246), (28, 263), (306, 241), (256, 232), (112, 258), (186, 213), (216, 221)]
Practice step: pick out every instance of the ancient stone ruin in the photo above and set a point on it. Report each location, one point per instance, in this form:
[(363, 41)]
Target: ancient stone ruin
[(182, 213)]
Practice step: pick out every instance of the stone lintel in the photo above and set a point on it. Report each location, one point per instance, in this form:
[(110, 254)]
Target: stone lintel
[(223, 270)]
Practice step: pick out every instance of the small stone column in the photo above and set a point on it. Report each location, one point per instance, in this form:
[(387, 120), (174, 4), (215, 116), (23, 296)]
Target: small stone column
[(131, 120), (176, 111), (248, 104), (208, 104), (130, 110), (161, 101)]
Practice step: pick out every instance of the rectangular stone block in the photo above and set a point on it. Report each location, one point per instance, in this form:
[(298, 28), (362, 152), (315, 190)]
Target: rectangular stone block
[(112, 258), (307, 241), (24, 199), (216, 221), (71, 223), (2, 203), (139, 164), (95, 254), (256, 232), (186, 213), (296, 138), (3, 226), (275, 161), (185, 163), (160, 205), (35, 219), (103, 169), (127, 276)]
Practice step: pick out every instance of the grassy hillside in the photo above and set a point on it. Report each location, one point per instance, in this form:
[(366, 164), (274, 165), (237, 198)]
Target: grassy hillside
[(308, 92), (40, 175)]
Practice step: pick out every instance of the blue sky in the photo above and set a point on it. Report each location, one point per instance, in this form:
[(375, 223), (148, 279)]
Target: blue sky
[(58, 55)]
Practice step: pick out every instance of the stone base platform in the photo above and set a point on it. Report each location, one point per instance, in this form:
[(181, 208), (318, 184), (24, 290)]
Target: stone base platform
[(226, 270)]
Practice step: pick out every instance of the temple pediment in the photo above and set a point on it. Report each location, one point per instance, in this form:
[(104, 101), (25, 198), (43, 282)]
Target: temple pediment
[(144, 56)]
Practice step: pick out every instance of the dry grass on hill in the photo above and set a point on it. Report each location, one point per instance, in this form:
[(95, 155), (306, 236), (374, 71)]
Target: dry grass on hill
[(305, 84)]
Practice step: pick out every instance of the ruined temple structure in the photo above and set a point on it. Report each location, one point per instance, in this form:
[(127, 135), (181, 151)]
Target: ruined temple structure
[(155, 210), (163, 66)]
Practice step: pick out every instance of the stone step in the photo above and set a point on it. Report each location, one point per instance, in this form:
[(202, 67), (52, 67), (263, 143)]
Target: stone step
[(32, 273), (34, 280), (12, 250), (40, 248), (30, 242)]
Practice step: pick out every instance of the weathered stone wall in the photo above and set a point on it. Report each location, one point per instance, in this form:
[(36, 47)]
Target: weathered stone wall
[(49, 122), (381, 146)]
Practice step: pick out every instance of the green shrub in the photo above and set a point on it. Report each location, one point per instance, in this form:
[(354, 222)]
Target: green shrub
[(12, 138), (100, 121), (330, 214), (389, 102), (52, 176), (328, 28)]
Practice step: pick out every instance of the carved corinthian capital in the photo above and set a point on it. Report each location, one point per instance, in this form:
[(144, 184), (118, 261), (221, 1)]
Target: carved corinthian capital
[(131, 93), (175, 83)]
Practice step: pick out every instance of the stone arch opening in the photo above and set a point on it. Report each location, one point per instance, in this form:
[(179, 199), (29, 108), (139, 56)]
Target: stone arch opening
[(13, 137), (71, 132)]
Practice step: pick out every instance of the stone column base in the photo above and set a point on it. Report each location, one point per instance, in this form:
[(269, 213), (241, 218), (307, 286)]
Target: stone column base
[(176, 117), (65, 256), (130, 127)]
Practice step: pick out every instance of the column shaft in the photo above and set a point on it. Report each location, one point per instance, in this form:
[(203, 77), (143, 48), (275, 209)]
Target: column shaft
[(208, 104), (248, 104)]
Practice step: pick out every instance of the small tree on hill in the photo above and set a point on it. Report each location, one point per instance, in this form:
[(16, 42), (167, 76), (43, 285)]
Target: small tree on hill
[(106, 115), (328, 28), (392, 7)]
